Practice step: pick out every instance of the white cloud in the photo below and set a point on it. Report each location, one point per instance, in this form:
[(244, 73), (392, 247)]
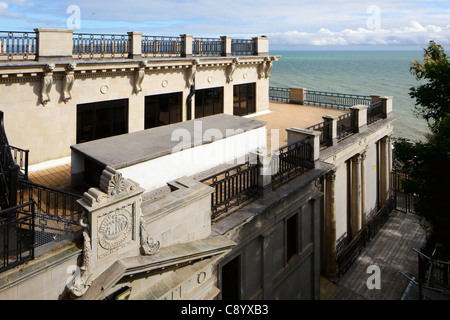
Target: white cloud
[(413, 34)]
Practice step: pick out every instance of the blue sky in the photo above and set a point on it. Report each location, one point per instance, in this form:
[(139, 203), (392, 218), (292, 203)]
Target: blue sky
[(289, 24)]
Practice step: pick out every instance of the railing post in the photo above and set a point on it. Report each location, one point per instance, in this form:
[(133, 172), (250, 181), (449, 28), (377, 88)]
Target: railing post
[(331, 124), (263, 159), (226, 46), (261, 46), (297, 134), (297, 95), (359, 117), (54, 44), (135, 44), (186, 45)]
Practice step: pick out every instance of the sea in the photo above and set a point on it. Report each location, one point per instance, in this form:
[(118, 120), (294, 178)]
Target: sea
[(356, 72)]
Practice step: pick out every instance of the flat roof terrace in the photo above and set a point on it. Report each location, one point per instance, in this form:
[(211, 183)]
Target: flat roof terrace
[(281, 116)]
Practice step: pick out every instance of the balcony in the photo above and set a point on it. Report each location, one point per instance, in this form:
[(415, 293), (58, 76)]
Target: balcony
[(44, 44)]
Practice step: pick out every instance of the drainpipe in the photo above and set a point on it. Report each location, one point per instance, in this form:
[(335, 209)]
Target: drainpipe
[(189, 100)]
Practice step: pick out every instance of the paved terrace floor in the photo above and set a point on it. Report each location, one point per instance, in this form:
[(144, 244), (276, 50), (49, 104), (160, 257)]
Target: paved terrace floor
[(286, 115), (392, 251)]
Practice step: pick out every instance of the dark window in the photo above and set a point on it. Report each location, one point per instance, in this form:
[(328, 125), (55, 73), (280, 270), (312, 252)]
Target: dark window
[(244, 99), (231, 280), (99, 120), (208, 102), (163, 109), (291, 236)]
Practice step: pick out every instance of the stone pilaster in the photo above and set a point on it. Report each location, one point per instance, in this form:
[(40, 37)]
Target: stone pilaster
[(330, 224), (355, 218)]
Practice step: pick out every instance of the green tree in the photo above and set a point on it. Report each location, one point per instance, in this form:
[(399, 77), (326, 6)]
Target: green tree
[(433, 97), (428, 162)]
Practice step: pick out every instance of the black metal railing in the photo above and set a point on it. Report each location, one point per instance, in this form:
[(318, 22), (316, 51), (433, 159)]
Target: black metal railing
[(16, 235), (242, 47), (20, 157), (207, 46), (345, 126), (232, 187), (279, 94), (335, 100), (161, 46), (100, 45), (348, 251), (375, 112), (9, 171), (50, 201), (290, 161), (325, 134), (404, 201), (18, 45)]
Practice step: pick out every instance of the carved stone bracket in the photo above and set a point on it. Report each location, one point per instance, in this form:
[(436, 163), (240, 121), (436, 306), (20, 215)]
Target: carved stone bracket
[(139, 76), (47, 82), (68, 81), (191, 73), (83, 280), (231, 68), (148, 245), (265, 68)]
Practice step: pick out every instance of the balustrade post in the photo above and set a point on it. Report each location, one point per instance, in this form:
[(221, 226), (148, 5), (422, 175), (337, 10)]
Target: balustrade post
[(359, 117), (297, 134), (263, 159), (261, 46), (297, 95), (54, 44), (135, 45), (186, 47), (331, 125), (226, 46)]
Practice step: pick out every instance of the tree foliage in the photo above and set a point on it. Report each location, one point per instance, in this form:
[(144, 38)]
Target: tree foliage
[(428, 162), (433, 97)]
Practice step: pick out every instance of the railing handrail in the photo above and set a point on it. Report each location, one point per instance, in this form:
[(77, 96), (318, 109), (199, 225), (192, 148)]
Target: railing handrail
[(337, 94), (33, 184)]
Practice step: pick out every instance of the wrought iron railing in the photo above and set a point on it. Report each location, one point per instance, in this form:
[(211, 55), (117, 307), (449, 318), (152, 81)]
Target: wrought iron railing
[(207, 46), (325, 134), (335, 100), (20, 157), (349, 250), (17, 45), (345, 126), (232, 187), (16, 235), (375, 112), (289, 161), (161, 46), (242, 47), (279, 94), (9, 171), (100, 46)]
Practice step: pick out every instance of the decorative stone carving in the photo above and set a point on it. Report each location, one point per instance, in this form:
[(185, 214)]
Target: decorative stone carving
[(68, 81), (83, 280), (191, 73), (231, 68), (261, 69), (148, 245), (47, 82), (269, 65), (139, 76), (111, 182)]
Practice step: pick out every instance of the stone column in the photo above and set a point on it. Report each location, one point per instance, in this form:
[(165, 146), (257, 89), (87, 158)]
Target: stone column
[(330, 224), (355, 218), (385, 170), (363, 188)]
